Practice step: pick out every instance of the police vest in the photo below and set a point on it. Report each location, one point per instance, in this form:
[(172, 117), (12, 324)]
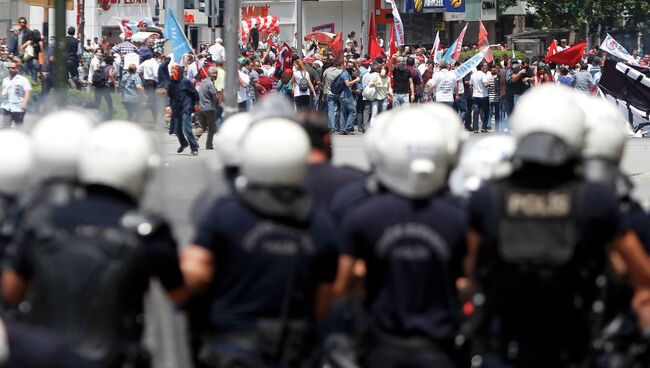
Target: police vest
[(79, 285), (541, 267)]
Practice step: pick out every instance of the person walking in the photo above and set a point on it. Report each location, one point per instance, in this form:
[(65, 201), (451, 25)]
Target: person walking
[(182, 99), (131, 86), (329, 76), (72, 53), (16, 91), (209, 100), (347, 102), (302, 86), (494, 97), (104, 81), (481, 103), (403, 84), (383, 90), (149, 71)]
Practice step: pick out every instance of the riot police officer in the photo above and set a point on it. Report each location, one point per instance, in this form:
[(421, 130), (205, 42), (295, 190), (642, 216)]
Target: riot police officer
[(412, 240), (538, 243), (87, 263), (265, 254)]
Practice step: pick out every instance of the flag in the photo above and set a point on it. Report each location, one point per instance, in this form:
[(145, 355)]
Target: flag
[(336, 46), (483, 41), (470, 64), (453, 54), (570, 56), (614, 48), (552, 50), (392, 45), (436, 48), (374, 50), (173, 32), (284, 56), (397, 21), (127, 27), (629, 87)]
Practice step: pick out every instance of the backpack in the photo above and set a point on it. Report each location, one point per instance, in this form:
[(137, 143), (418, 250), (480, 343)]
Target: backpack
[(338, 85), (99, 77), (303, 85)]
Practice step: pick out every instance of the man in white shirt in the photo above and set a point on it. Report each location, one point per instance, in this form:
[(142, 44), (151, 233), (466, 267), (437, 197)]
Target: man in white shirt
[(242, 93), (217, 50), (16, 90), (149, 72), (444, 86), (481, 103), (95, 63)]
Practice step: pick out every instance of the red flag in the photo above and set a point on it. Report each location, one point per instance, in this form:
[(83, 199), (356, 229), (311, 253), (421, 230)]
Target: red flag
[(483, 42), (336, 46), (392, 44), (374, 50), (285, 56), (552, 50), (570, 56)]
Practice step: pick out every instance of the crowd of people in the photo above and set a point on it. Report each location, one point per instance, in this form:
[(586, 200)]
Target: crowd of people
[(510, 251)]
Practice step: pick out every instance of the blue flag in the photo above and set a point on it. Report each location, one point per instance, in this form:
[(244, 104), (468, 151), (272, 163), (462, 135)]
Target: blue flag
[(449, 52), (174, 33)]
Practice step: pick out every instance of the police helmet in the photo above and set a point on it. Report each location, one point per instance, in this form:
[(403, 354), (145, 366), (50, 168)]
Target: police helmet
[(57, 139), (606, 129), (16, 161), (274, 105), (548, 126), (370, 139), (482, 160), (274, 153), (414, 153), (118, 154), (229, 137), (455, 133)]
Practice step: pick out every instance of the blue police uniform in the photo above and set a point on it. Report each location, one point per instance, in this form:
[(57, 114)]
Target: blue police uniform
[(419, 243), (323, 180), (256, 255), (89, 263), (544, 244)]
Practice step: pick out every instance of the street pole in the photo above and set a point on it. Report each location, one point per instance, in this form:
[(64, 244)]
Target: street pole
[(365, 42), (60, 67), (232, 52), (299, 27)]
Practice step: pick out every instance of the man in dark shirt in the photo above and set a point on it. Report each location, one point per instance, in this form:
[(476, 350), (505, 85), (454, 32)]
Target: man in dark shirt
[(254, 37), (522, 79), (404, 84), (72, 53), (182, 99)]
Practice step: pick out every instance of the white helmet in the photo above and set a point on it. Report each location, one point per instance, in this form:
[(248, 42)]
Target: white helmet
[(456, 133), (548, 125), (485, 159), (606, 129), (58, 138), (118, 154), (370, 139), (274, 153), (228, 138), (413, 150), (16, 161)]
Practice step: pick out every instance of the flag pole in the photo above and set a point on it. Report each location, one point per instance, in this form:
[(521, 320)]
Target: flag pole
[(232, 51)]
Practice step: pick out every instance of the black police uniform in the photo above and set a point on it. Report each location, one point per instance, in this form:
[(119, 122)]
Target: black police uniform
[(267, 267), (413, 251), (323, 180), (541, 262), (88, 264)]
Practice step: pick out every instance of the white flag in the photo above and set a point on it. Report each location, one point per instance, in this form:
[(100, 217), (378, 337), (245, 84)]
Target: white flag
[(470, 64), (436, 44), (399, 26), (611, 46)]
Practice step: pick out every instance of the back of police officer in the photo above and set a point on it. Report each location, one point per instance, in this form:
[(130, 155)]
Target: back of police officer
[(265, 254), (411, 238), (85, 265), (540, 237)]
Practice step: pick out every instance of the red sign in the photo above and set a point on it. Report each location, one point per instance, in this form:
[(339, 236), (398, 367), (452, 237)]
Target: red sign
[(106, 4)]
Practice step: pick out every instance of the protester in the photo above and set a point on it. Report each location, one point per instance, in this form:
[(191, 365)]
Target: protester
[(132, 90), (16, 91), (404, 86), (209, 99), (480, 98)]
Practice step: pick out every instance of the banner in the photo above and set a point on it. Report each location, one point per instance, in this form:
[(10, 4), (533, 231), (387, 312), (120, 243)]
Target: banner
[(470, 65), (452, 55), (611, 46), (173, 32), (570, 56), (628, 87), (399, 26)]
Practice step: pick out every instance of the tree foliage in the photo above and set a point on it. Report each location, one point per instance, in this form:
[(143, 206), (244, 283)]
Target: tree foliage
[(609, 14)]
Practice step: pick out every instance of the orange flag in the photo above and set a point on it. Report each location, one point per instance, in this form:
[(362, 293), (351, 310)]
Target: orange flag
[(483, 42), (336, 46), (552, 50), (374, 50)]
